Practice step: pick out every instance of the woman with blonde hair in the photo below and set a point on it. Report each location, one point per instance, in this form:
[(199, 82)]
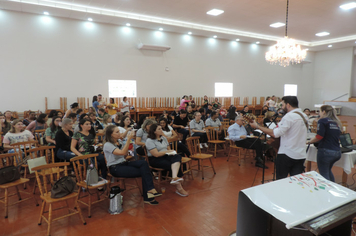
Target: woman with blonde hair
[(328, 135)]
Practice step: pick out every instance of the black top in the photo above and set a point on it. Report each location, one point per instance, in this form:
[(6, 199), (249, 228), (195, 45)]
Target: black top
[(62, 140), (169, 119), (243, 112), (328, 133), (174, 114), (179, 121), (190, 115)]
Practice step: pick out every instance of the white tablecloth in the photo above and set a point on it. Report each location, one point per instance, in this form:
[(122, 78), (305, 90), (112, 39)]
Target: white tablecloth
[(347, 161)]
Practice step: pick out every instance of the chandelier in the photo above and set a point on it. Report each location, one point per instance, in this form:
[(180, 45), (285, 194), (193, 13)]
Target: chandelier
[(286, 51)]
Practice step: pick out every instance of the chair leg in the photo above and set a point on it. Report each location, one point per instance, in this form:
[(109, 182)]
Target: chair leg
[(24, 175), (190, 168), (34, 187), (6, 203), (89, 210), (18, 193), (212, 165), (49, 219), (215, 150), (202, 169), (80, 212), (41, 213), (138, 186)]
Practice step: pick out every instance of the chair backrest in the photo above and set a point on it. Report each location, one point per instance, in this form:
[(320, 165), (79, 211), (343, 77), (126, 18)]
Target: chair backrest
[(193, 145), (50, 173), (39, 134), (46, 151), (21, 147), (81, 164), (8, 159), (151, 118), (174, 144), (212, 133), (225, 124), (99, 137)]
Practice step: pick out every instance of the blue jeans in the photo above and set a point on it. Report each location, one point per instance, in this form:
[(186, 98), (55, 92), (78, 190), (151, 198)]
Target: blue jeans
[(65, 155), (132, 169), (326, 159)]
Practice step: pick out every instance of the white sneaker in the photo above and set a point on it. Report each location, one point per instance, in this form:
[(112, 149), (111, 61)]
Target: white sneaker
[(206, 145), (201, 146)]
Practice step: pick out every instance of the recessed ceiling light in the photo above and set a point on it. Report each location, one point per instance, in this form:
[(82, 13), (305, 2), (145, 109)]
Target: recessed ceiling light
[(46, 13), (215, 12), (348, 6), (237, 39), (330, 46), (257, 42), (321, 34), (90, 19), (128, 24), (277, 25), (215, 36), (160, 29), (189, 32), (306, 49)]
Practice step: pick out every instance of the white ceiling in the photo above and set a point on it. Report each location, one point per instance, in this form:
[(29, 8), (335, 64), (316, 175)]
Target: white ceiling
[(247, 20)]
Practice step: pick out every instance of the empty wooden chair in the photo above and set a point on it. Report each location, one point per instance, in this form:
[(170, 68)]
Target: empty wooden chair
[(80, 165), (44, 181), (195, 154), (10, 160), (213, 139)]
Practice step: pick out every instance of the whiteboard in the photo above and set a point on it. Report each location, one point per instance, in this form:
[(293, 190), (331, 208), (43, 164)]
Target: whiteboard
[(300, 198)]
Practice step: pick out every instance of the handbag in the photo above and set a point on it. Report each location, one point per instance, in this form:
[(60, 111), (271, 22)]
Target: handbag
[(92, 175), (62, 187), (9, 174)]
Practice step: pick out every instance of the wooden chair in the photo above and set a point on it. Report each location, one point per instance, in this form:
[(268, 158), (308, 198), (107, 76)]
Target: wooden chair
[(9, 160), (39, 135), (52, 173), (99, 138), (213, 139), (185, 160), (80, 164), (21, 148), (195, 154), (160, 177), (122, 182), (47, 152)]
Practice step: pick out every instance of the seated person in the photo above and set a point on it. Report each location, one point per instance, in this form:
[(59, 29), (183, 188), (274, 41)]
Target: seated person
[(16, 135), (73, 117), (268, 118), (223, 114), (73, 109), (63, 140), (8, 116), (60, 114), (95, 123), (202, 112), (157, 148), (117, 119), (209, 110), (244, 110), (141, 136), (238, 134), (166, 116), (213, 121), (197, 128), (192, 102), (106, 121), (4, 125), (101, 113), (184, 102), (219, 115), (51, 114), (50, 133), (264, 110), (125, 128), (175, 112), (83, 144), (169, 133), (39, 123), (31, 117), (127, 113), (190, 113), (140, 121), (180, 123), (79, 113), (310, 118), (120, 165), (216, 104)]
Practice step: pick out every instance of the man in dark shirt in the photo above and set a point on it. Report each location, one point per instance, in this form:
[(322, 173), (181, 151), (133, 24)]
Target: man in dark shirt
[(210, 109), (190, 113), (180, 122)]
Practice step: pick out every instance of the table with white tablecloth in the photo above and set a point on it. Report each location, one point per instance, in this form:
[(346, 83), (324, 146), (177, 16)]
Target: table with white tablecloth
[(347, 161)]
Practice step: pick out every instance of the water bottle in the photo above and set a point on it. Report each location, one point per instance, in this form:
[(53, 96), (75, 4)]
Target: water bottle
[(115, 201)]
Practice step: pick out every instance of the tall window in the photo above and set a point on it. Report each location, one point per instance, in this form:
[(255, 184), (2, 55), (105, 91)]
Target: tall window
[(122, 88), (223, 89), (290, 90)]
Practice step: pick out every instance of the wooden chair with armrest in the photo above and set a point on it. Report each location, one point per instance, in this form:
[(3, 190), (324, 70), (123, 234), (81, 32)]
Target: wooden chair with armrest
[(5, 161), (213, 139), (47, 175), (21, 148), (185, 160), (195, 154), (80, 164), (40, 136)]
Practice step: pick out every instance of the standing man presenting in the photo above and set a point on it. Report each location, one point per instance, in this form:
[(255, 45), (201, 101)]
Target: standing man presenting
[(292, 130)]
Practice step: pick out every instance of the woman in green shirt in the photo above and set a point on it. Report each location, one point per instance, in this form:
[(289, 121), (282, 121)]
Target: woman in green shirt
[(50, 133)]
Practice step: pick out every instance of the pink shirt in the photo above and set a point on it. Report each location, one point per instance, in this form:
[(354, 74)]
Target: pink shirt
[(182, 104)]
